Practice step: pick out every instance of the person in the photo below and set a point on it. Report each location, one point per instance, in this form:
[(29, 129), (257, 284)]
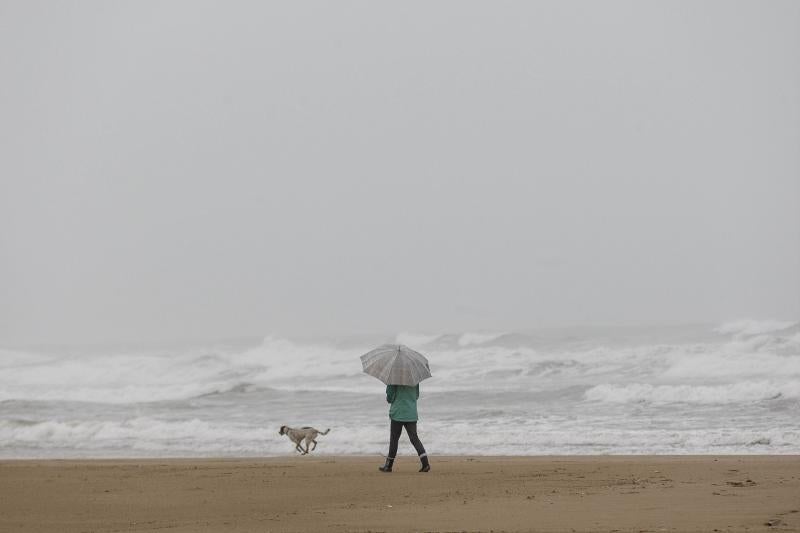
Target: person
[(403, 414)]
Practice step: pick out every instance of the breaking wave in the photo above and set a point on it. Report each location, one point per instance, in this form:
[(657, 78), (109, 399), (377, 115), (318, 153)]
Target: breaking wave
[(702, 394), (755, 364), (754, 327), (696, 389)]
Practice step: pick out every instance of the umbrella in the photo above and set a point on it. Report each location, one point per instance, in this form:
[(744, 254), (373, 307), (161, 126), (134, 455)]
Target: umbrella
[(396, 364)]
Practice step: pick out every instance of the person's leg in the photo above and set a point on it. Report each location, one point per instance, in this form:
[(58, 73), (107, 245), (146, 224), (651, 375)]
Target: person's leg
[(411, 429), (394, 438)]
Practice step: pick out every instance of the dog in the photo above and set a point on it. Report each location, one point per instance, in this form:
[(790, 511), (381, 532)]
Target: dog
[(297, 435)]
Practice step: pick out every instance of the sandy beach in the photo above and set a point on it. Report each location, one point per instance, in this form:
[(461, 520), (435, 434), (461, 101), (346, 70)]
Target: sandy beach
[(611, 494)]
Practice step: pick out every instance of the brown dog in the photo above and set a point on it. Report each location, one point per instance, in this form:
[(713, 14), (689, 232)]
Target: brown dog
[(306, 433)]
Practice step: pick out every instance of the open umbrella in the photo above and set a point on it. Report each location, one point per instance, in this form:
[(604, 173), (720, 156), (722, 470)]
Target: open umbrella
[(396, 364)]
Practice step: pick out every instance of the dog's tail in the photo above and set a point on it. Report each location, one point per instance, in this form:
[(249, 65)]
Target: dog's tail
[(325, 432)]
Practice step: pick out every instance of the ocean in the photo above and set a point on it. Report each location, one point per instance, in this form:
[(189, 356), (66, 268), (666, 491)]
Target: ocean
[(701, 389)]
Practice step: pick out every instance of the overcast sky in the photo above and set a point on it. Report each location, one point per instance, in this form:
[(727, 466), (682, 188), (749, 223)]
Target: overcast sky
[(177, 170)]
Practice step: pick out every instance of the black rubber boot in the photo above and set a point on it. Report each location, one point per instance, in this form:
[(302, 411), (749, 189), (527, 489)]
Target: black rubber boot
[(387, 467), (426, 466)]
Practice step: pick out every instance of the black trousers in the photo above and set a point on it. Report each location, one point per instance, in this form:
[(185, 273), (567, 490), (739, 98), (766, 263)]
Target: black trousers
[(411, 430)]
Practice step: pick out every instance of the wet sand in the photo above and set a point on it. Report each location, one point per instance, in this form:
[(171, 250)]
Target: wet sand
[(610, 494)]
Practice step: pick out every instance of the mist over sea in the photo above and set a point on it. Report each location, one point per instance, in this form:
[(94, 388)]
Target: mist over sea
[(702, 389)]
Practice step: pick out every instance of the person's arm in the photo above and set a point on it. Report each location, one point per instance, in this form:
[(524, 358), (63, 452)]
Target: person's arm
[(417, 391), (391, 392)]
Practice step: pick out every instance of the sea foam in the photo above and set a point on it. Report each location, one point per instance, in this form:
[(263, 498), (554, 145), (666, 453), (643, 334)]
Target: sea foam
[(700, 389)]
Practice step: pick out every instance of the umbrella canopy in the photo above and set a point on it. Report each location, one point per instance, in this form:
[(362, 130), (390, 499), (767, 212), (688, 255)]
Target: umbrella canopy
[(396, 364)]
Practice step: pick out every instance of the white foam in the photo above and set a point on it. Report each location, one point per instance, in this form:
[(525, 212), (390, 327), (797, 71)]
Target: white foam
[(753, 327), (751, 379), (700, 394), (472, 362), (145, 436), (146, 376), (470, 339), (137, 434)]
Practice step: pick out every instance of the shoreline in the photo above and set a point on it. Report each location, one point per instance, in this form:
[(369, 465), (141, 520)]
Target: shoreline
[(347, 493), (344, 456), (322, 455)]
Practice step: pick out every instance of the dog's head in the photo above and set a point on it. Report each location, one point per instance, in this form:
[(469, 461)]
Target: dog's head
[(283, 430)]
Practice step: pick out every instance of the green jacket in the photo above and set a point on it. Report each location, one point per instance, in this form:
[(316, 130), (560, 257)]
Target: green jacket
[(404, 402)]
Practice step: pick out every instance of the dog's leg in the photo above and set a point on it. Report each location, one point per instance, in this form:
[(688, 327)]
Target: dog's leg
[(315, 445)]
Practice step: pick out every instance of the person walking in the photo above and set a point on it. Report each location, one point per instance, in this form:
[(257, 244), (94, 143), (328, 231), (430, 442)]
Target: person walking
[(401, 369), (403, 414)]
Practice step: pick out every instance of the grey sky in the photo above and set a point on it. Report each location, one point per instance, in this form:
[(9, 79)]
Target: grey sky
[(198, 169)]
